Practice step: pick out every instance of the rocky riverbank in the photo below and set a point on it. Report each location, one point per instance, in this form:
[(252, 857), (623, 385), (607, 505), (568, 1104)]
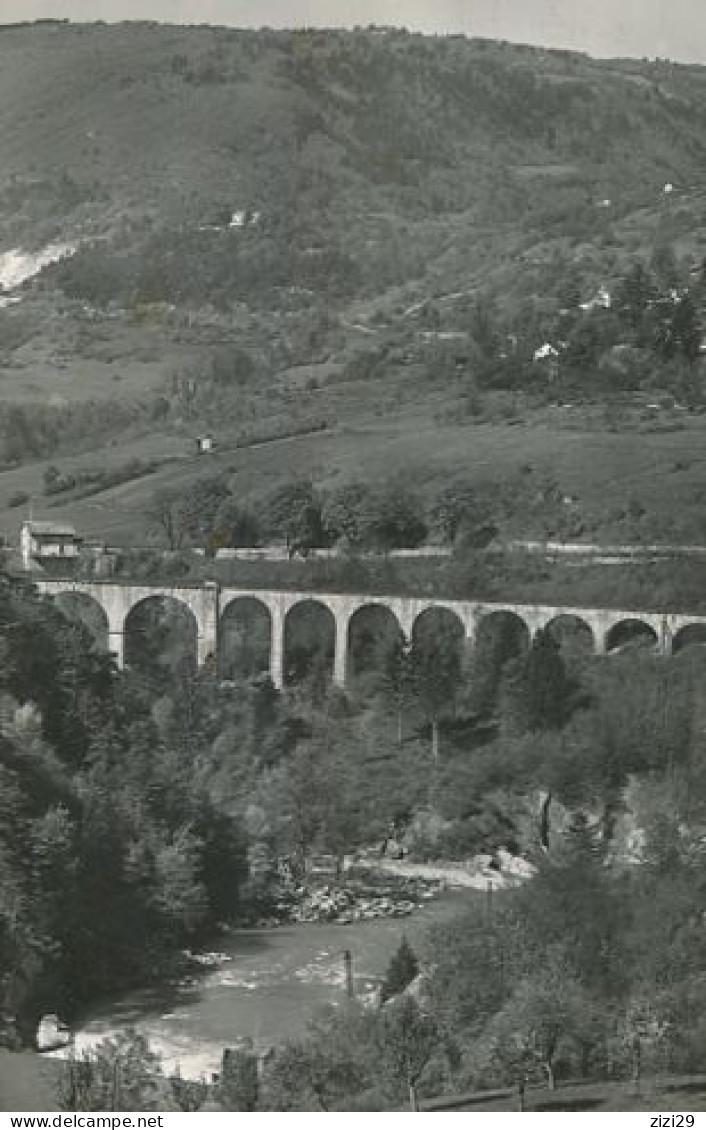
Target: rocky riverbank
[(356, 896), (357, 900), (372, 886), (499, 871)]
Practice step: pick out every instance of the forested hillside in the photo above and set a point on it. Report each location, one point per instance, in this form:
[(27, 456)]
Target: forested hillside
[(112, 858), (142, 810), (316, 234), (316, 129)]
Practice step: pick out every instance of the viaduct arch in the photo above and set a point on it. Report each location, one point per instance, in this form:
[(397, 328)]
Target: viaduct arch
[(244, 634), (209, 603)]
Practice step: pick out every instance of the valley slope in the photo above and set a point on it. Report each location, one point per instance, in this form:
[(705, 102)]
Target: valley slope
[(360, 237)]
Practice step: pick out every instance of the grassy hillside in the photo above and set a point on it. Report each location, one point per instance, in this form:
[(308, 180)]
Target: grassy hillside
[(170, 121), (604, 469), (368, 233)]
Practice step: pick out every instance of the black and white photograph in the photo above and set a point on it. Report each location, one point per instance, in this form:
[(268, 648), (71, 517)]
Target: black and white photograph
[(352, 559)]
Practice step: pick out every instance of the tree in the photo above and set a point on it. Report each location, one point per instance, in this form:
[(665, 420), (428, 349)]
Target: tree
[(402, 969), (665, 266), (164, 515), (476, 961), (25, 944), (681, 334), (408, 1038), (544, 1013), (634, 296), (328, 1068), (437, 671), (232, 366), (643, 719), (457, 512), (186, 1095), (642, 1024), (238, 1084), (344, 514), (389, 516), (500, 640), (114, 854), (394, 518), (537, 693), (188, 516), (579, 360), (179, 893), (289, 796), (199, 507), (573, 897), (398, 680), (293, 511), (353, 1058), (53, 479), (235, 524), (121, 1073)]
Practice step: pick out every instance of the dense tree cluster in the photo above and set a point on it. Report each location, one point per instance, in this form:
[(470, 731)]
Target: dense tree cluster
[(113, 854), (640, 329), (593, 969), (36, 431), (129, 802), (217, 266), (354, 517)]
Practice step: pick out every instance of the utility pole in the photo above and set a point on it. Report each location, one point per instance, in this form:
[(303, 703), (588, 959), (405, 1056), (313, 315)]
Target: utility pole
[(521, 1094), (348, 973), (413, 1101)]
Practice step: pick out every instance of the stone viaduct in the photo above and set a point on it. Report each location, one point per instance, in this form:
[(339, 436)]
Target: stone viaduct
[(209, 604)]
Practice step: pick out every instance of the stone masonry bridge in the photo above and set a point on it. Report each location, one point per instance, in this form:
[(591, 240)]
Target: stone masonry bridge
[(210, 603)]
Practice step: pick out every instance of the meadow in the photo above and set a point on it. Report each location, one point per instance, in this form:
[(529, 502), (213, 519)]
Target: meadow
[(603, 470)]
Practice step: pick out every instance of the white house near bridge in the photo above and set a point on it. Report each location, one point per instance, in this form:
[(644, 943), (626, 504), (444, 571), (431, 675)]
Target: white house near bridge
[(53, 540)]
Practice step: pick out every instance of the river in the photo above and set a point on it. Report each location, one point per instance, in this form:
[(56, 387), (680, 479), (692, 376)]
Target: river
[(265, 984)]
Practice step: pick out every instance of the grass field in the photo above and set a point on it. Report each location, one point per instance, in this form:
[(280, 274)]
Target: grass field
[(604, 470), (58, 357), (605, 1098)]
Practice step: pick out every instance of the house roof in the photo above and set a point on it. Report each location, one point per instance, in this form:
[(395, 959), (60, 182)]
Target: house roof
[(57, 529)]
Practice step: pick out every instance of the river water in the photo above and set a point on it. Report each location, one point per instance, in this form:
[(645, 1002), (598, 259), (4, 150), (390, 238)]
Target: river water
[(265, 984)]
